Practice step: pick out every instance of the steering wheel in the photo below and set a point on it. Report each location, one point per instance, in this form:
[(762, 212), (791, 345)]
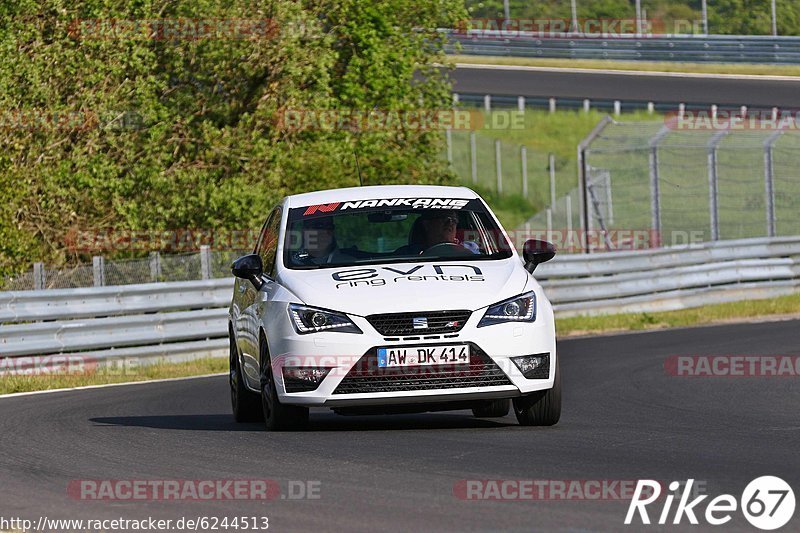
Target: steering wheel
[(446, 249)]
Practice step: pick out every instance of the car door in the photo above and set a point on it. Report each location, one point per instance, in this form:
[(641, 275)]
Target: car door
[(253, 300)]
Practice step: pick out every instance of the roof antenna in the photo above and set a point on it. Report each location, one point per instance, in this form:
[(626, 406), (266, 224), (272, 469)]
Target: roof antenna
[(358, 168)]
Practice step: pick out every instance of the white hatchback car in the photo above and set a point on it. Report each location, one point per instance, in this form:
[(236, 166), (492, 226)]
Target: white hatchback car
[(390, 299)]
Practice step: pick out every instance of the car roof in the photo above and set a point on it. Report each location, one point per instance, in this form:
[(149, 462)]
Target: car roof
[(351, 194)]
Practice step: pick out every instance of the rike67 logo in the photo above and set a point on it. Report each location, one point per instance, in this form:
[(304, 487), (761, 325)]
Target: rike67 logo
[(767, 503)]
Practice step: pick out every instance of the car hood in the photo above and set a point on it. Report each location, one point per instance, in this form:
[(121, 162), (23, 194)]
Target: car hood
[(399, 287)]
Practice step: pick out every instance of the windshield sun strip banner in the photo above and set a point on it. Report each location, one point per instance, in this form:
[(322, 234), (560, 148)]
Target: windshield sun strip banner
[(383, 203)]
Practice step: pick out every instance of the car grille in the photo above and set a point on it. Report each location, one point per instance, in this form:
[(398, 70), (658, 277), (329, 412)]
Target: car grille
[(393, 324), (367, 377)]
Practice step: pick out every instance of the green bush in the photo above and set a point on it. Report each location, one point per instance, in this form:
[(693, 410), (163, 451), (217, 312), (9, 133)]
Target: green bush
[(170, 132)]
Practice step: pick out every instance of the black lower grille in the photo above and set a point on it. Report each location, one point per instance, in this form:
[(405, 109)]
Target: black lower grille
[(434, 322), (367, 377)]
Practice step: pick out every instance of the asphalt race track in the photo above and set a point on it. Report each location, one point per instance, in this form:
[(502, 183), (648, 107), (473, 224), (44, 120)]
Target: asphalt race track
[(624, 418), (603, 85)]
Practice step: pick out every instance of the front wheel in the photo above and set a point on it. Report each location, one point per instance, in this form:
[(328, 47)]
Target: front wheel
[(277, 416), (541, 408), (492, 409), (246, 405)]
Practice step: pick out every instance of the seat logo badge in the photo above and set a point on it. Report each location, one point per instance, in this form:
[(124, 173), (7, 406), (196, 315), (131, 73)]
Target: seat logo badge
[(420, 322)]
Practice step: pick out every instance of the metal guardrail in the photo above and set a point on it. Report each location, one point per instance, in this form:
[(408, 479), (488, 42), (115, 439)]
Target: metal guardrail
[(183, 320), (59, 304), (173, 320), (97, 333), (697, 48), (672, 278)]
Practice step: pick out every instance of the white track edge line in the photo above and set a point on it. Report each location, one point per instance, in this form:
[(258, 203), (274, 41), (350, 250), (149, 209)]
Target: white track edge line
[(651, 73)]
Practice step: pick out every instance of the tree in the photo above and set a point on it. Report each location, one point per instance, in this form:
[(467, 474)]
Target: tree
[(110, 127)]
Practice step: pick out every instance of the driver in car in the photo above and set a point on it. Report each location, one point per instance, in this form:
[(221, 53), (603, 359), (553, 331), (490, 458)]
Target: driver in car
[(440, 228)]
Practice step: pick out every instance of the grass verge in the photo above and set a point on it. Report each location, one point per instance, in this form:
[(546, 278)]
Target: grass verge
[(709, 314), (27, 383), (641, 66)]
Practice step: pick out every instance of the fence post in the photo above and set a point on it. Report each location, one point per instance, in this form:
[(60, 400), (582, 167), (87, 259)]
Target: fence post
[(521, 104), (769, 181), (205, 262), (487, 102), (552, 165), (99, 271), (568, 201), (713, 183), (38, 276), (552, 105), (448, 135), (473, 157), (549, 225), (583, 179), (155, 266), (498, 165), (655, 187), (587, 105), (523, 157)]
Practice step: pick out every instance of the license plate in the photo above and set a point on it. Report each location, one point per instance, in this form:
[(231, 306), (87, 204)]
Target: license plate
[(423, 355)]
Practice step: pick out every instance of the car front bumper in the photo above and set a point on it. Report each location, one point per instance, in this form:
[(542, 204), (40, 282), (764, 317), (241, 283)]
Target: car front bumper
[(342, 351)]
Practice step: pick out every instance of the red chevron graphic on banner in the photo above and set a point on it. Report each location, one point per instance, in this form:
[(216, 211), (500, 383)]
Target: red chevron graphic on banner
[(324, 208)]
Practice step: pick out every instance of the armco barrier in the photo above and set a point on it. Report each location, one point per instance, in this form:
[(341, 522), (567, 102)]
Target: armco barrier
[(152, 321), (690, 48), (182, 320), (666, 279), (56, 304)]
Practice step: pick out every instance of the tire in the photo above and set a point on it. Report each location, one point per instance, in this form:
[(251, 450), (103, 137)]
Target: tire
[(277, 416), (493, 409), (246, 405), (542, 408)]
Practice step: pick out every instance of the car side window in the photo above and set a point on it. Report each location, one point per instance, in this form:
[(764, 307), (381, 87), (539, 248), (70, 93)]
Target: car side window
[(267, 246)]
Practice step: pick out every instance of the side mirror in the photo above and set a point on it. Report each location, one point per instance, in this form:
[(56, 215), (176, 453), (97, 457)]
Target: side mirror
[(249, 267), (536, 252)]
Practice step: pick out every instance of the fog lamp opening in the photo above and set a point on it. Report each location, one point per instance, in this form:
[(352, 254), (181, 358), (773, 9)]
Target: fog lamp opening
[(303, 379), (535, 366)]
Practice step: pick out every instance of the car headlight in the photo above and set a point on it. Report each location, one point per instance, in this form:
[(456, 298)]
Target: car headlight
[(312, 320), (517, 309)]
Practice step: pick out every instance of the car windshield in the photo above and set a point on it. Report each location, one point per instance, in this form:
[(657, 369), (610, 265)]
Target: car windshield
[(391, 231)]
